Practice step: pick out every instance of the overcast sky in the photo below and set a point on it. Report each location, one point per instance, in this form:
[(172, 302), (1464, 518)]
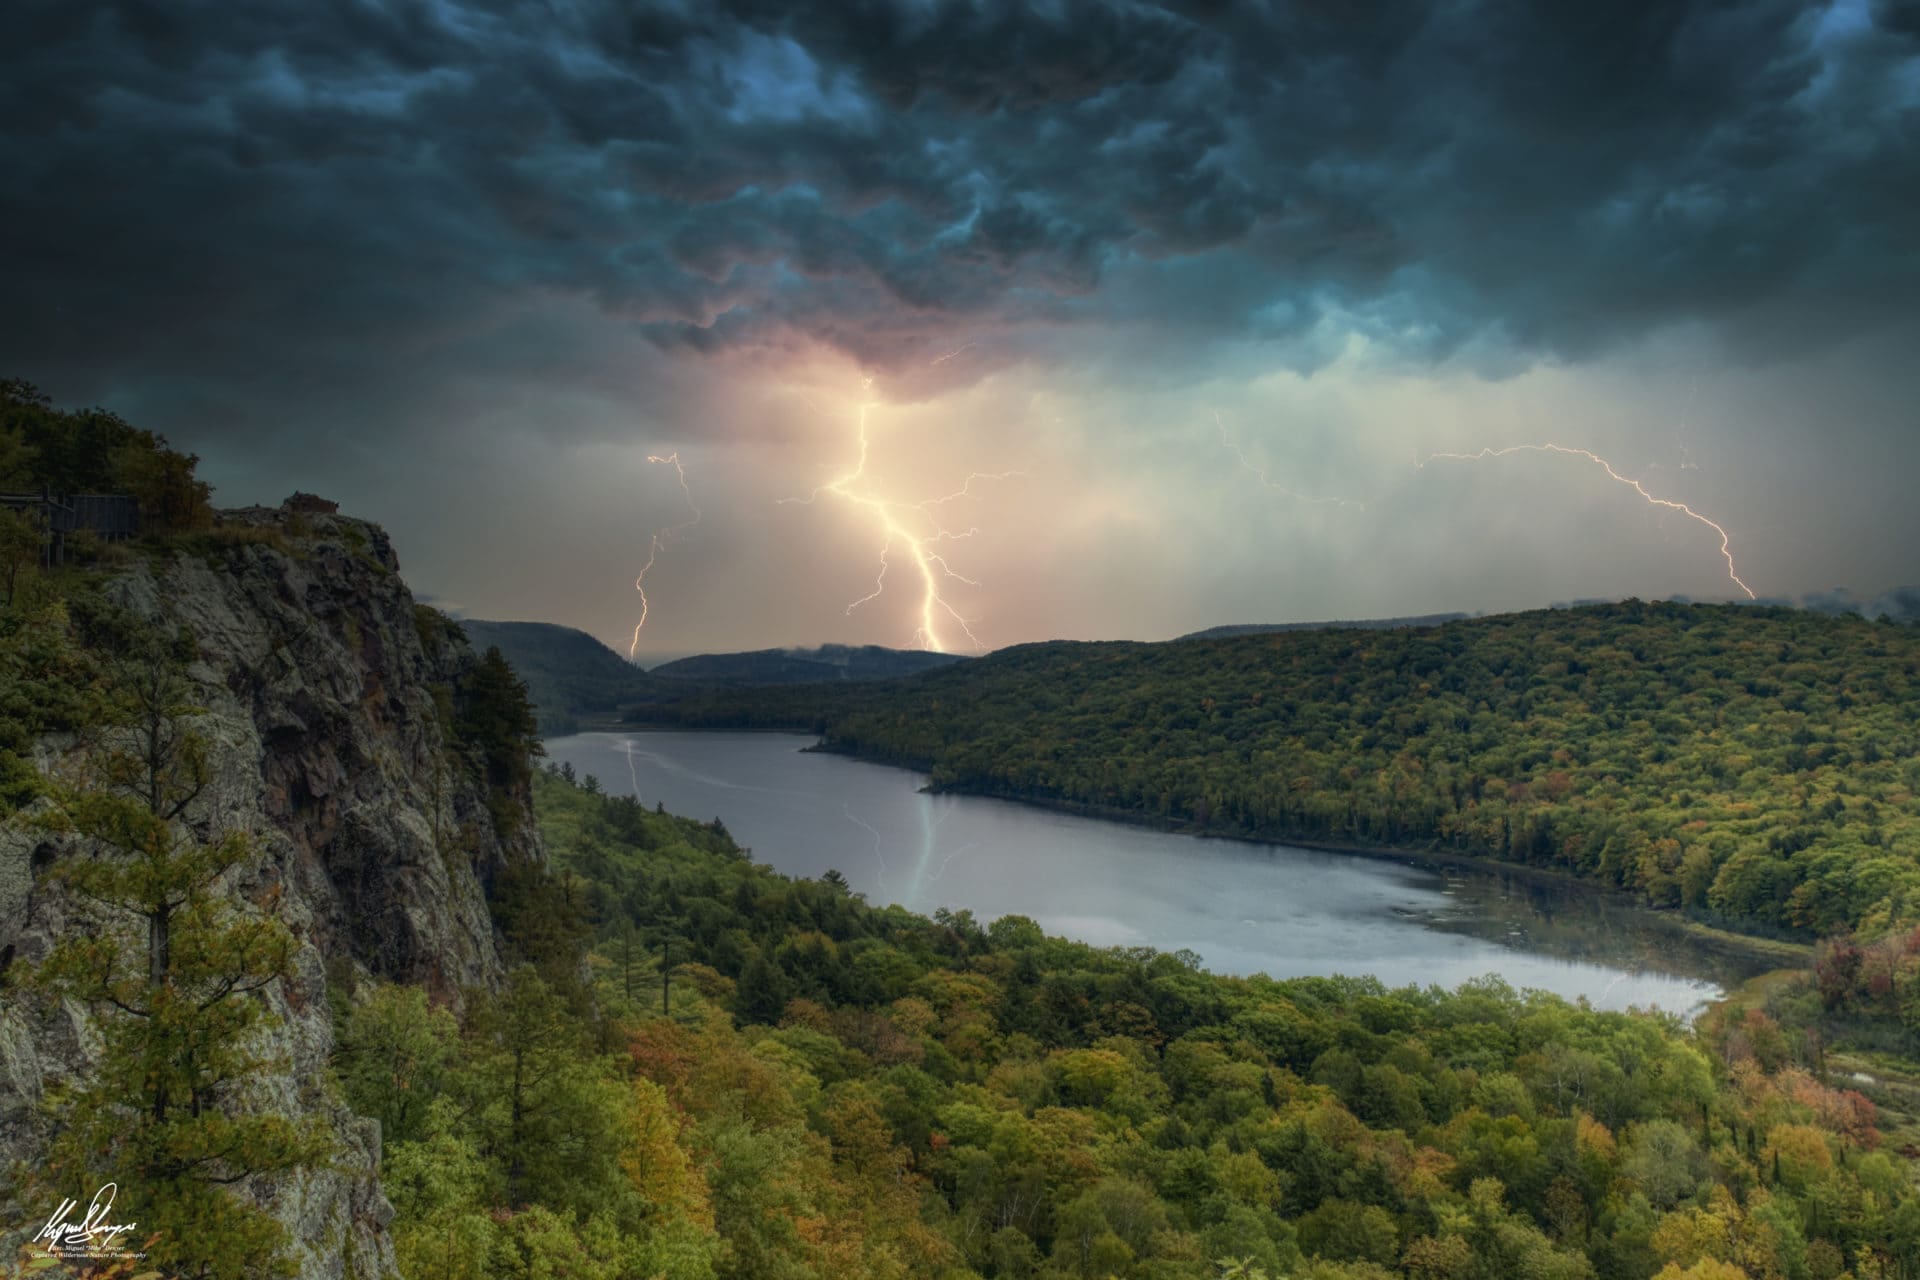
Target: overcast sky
[(1194, 291)]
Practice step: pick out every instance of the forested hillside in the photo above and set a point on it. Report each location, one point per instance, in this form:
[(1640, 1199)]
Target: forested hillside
[(769, 1078), (828, 662), (1758, 766), (574, 679), (568, 673)]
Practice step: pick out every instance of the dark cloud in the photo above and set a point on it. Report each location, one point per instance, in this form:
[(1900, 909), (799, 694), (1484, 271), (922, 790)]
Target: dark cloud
[(343, 194)]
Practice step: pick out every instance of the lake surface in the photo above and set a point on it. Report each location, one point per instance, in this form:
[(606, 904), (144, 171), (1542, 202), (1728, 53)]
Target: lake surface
[(1244, 907)]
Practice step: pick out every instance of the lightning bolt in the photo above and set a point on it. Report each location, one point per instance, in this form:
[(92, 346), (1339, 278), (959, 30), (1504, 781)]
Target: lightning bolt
[(947, 861), (1726, 541), (912, 527), (1617, 980), (660, 539), (1261, 474), (951, 354), (879, 856), (1686, 459)]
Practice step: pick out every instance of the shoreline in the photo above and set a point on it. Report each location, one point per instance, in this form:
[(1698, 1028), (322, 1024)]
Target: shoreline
[(1771, 951), (1766, 954), (1760, 950)]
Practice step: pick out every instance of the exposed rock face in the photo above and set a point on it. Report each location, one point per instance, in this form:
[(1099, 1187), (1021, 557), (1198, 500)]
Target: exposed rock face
[(328, 699)]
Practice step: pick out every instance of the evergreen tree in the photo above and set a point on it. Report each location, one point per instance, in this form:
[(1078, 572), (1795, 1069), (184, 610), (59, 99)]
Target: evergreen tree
[(534, 1090), (21, 545), (496, 721), (762, 993), (170, 969), (393, 1058)]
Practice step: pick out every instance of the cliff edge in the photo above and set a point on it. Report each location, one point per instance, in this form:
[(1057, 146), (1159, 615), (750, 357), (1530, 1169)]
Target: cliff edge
[(329, 701)]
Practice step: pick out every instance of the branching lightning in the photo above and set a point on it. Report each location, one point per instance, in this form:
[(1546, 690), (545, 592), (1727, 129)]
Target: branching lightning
[(1726, 541), (660, 539), (879, 854), (1260, 473), (913, 527)]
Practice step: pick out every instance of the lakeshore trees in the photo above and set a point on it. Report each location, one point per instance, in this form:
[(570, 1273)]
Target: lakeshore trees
[(931, 1097)]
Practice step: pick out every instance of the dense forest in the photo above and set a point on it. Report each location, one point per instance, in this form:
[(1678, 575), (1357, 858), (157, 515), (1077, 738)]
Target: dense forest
[(74, 451), (1756, 766), (762, 1077)]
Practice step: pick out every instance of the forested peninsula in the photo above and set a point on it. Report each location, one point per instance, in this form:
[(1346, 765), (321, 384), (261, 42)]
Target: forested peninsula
[(1757, 767)]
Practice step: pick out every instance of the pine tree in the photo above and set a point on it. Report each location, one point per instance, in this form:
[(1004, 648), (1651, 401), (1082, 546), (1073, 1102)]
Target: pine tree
[(497, 721), (527, 1050), (170, 970), (761, 995)]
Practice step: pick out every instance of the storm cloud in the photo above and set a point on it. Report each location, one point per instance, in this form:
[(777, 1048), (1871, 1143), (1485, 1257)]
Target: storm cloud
[(381, 220), (192, 185)]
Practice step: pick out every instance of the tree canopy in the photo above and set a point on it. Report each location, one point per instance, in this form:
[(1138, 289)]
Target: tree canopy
[(835, 1089), (73, 451)]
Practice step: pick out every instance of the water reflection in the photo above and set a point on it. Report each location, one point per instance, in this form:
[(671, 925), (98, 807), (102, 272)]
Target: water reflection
[(1245, 908)]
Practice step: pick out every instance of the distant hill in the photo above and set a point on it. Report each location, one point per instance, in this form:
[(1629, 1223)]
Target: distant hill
[(826, 664), (1359, 624), (569, 674)]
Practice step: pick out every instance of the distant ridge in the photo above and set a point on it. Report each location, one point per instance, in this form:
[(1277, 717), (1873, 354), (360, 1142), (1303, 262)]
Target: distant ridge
[(573, 677), (1359, 624), (826, 664), (568, 673)]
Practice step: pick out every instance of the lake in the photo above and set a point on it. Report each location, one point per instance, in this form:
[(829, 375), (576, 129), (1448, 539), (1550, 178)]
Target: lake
[(1243, 907)]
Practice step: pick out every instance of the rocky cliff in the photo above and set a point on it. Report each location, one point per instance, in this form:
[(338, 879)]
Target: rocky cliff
[(329, 698)]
